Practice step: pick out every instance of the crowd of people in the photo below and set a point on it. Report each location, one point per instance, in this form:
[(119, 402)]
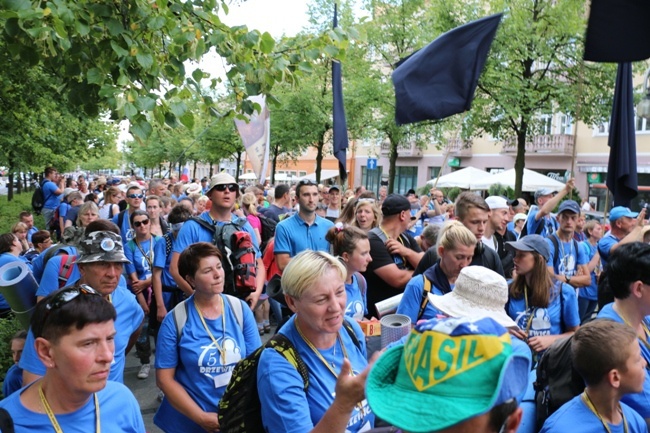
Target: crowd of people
[(490, 284)]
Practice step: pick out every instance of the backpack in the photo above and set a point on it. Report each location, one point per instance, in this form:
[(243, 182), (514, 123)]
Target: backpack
[(169, 243), (425, 296), (65, 269), (38, 198), (179, 313), (556, 250), (238, 256), (557, 381), (240, 410), (268, 230)]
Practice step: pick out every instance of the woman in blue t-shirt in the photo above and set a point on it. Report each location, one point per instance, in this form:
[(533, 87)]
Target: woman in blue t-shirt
[(195, 357), (543, 308), (350, 244), (332, 347)]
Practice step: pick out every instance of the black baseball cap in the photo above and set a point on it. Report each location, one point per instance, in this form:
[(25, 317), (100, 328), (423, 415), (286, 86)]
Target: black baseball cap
[(394, 204)]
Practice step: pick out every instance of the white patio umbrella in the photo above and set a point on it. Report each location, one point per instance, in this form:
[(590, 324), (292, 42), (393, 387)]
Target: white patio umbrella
[(532, 181), (463, 178), (248, 176)]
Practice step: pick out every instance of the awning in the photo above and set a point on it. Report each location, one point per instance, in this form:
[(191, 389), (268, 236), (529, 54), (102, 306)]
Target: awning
[(324, 175)]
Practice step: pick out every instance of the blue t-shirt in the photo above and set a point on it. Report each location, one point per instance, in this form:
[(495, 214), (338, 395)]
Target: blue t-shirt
[(640, 402), (126, 231), (30, 232), (13, 380), (412, 299), (569, 258), (546, 321), (574, 416), (605, 245), (118, 412), (37, 263), (550, 223), (129, 320), (193, 232), (50, 281), (64, 208), (139, 263), (72, 214), (293, 235), (273, 212), (162, 260), (51, 200), (199, 367), (6, 258), (591, 291), (285, 406), (355, 306)]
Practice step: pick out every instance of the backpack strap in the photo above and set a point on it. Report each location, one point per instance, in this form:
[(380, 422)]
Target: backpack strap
[(556, 251), (6, 422), (284, 347), (236, 306), (363, 284), (351, 333), (65, 269), (425, 296), (179, 313), (379, 233), (120, 218), (168, 243), (562, 327)]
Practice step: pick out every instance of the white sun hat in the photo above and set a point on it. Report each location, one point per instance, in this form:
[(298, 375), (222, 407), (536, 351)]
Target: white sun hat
[(479, 292)]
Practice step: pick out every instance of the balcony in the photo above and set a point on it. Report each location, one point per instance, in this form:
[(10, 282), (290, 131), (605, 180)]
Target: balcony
[(459, 148), (404, 150), (554, 144)]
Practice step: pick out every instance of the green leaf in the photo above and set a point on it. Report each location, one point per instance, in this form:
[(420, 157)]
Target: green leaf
[(118, 49), (178, 108), (145, 103), (197, 75), (130, 110), (187, 119), (171, 120), (114, 27), (82, 28), (157, 23), (159, 115), (305, 67), (95, 76), (267, 44), (331, 50), (142, 129), (16, 5), (253, 88), (145, 60)]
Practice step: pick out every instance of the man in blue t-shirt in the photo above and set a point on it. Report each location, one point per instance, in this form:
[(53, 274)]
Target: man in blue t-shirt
[(627, 226), (223, 193), (540, 215), (281, 203), (568, 261), (304, 230), (52, 187), (134, 198)]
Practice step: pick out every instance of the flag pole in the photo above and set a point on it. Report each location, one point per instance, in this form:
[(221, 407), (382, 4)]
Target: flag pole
[(444, 161), (575, 128)]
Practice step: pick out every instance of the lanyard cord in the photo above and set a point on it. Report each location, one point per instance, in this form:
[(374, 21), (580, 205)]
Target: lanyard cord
[(532, 313), (50, 414), (148, 257), (221, 349), (646, 331), (399, 238), (587, 401)]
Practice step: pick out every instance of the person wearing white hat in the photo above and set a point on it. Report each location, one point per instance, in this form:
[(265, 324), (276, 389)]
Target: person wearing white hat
[(519, 220)]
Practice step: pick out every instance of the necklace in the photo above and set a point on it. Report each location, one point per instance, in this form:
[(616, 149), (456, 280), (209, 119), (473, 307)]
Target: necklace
[(587, 401), (52, 417), (221, 349)]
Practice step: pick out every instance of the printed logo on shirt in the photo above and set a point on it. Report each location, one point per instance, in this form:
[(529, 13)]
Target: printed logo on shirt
[(359, 416), (567, 265), (354, 310), (212, 365), (540, 322)]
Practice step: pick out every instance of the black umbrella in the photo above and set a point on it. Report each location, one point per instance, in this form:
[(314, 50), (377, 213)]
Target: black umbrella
[(621, 170)]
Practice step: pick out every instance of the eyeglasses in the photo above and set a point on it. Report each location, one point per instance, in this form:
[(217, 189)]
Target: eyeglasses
[(67, 295), (229, 186), (140, 196), (365, 200), (46, 240), (140, 223)]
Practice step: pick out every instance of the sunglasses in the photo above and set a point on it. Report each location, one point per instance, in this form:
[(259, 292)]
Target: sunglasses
[(67, 295), (135, 196), (229, 186), (140, 223)]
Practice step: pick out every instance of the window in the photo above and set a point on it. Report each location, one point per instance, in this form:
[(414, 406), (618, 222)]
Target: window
[(566, 125), (546, 124), (371, 178), (433, 172), (405, 179)]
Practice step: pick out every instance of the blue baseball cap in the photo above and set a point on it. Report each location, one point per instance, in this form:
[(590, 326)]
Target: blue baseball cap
[(620, 212), (532, 243), (459, 366), (569, 205), (544, 191)]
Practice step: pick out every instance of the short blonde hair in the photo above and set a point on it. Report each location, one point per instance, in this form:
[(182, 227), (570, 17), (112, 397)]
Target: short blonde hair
[(454, 233), (249, 203), (306, 269)]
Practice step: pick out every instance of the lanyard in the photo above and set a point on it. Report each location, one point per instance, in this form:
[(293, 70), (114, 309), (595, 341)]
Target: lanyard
[(148, 257), (50, 414), (590, 405), (532, 313), (399, 238), (221, 349), (646, 331)]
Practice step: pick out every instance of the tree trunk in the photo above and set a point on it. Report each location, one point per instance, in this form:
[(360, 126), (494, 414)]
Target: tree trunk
[(212, 163), (319, 158), (239, 152), (276, 151), (392, 161), (520, 160), (170, 169), (194, 170), (10, 185), (19, 186)]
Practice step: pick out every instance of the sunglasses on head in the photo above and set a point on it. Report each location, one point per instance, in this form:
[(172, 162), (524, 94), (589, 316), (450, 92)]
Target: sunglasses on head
[(135, 196), (140, 223), (67, 295), (229, 186), (306, 182)]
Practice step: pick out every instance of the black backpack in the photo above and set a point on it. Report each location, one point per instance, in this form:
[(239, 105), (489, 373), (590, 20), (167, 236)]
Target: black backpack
[(557, 381), (240, 410), (538, 231), (556, 251), (268, 230), (238, 265), (38, 199)]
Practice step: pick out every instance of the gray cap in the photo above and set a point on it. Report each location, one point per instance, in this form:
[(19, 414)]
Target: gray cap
[(533, 243), (101, 246)]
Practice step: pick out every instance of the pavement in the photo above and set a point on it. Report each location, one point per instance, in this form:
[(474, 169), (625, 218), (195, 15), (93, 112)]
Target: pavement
[(145, 390)]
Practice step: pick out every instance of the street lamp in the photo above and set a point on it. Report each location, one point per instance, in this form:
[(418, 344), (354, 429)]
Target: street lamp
[(643, 107)]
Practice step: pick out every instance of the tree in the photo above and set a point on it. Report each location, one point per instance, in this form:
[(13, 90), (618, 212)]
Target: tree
[(130, 57), (534, 67)]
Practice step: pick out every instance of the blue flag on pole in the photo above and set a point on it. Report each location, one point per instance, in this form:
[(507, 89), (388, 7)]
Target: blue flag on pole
[(340, 129), (440, 79), (621, 171)]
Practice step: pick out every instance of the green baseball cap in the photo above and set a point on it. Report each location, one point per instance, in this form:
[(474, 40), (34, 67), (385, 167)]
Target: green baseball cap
[(448, 371), (101, 246)]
